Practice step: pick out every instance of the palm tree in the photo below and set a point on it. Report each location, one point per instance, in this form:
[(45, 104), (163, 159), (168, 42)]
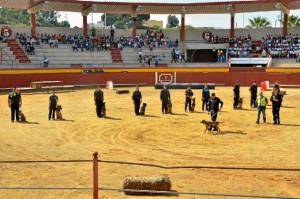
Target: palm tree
[(259, 22), (293, 21)]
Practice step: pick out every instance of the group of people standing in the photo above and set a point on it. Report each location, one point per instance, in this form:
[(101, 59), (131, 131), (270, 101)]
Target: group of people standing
[(260, 102), (210, 102)]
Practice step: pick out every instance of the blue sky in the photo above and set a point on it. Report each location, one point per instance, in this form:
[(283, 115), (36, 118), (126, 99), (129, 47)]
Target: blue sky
[(217, 21)]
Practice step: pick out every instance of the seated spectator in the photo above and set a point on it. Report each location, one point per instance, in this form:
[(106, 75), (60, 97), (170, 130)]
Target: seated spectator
[(75, 47), (45, 62)]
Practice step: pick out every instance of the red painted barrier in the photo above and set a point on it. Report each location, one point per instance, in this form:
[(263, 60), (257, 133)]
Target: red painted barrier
[(227, 78)]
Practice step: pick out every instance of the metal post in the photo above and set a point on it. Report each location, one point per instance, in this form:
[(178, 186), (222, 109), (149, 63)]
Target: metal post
[(95, 175)]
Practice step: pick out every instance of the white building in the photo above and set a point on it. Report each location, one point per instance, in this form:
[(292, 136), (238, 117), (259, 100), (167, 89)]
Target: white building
[(100, 25)]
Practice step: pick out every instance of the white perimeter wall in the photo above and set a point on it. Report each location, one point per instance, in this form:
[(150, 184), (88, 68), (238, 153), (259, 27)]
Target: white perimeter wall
[(190, 35)]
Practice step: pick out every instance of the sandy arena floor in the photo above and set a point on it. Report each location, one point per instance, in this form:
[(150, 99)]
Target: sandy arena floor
[(168, 140)]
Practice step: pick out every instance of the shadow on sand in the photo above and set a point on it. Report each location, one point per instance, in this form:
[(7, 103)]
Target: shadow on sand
[(112, 118), (27, 122), (155, 116), (178, 114), (228, 132), (65, 120), (153, 195)]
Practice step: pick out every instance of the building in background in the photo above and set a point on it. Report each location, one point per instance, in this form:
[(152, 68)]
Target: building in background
[(99, 25)]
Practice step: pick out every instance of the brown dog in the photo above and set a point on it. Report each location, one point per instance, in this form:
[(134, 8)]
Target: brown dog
[(22, 117), (143, 109), (58, 112), (169, 107), (193, 104), (103, 111), (210, 125), (240, 103)]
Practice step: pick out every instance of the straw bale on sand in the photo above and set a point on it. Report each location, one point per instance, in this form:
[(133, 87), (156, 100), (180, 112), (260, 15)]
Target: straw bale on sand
[(162, 183)]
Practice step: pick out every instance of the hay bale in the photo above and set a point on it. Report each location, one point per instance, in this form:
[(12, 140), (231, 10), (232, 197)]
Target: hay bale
[(162, 183), (122, 91)]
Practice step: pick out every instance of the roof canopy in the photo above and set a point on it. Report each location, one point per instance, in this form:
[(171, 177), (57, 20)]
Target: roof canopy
[(229, 7)]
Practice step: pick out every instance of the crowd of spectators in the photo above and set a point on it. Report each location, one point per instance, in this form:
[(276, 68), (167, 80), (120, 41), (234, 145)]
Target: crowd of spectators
[(282, 46), (148, 59), (150, 39), (276, 46)]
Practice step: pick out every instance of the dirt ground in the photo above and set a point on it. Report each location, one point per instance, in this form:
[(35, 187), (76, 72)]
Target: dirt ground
[(167, 140)]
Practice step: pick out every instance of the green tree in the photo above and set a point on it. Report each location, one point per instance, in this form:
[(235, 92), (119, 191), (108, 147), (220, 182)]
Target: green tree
[(123, 21), (173, 21), (293, 21), (259, 22), (21, 17)]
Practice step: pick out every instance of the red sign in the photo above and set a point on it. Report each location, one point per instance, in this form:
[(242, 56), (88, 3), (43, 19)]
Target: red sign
[(207, 35), (6, 31), (165, 78)]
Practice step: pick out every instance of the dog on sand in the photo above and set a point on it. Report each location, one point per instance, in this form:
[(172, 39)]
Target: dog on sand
[(193, 104), (210, 125), (22, 117), (240, 103), (169, 107), (143, 109), (103, 111), (58, 112)]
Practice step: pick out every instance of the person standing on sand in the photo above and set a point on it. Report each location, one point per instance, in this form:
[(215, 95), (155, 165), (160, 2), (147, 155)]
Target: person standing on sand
[(164, 97), (261, 102), (276, 100), (236, 93), (53, 99), (137, 100), (98, 99), (14, 103), (253, 91)]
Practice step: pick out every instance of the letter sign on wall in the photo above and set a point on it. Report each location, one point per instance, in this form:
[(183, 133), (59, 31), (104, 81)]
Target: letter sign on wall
[(207, 35)]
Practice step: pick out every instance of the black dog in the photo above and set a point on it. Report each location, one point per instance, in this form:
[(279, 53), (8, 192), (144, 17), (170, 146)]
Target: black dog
[(143, 109)]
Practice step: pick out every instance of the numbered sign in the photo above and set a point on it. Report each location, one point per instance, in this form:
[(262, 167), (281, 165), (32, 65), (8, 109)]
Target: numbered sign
[(6, 31)]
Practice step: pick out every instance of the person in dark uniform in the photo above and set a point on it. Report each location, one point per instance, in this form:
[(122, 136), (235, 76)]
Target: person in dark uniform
[(164, 97), (205, 97), (53, 99), (236, 92), (98, 98), (253, 91), (213, 107), (276, 100), (14, 103), (188, 98), (137, 100)]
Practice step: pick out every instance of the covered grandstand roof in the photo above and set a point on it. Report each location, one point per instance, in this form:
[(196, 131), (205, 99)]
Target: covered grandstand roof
[(155, 8)]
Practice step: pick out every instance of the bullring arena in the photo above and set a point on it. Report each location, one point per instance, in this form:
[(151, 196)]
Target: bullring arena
[(175, 140), (82, 156)]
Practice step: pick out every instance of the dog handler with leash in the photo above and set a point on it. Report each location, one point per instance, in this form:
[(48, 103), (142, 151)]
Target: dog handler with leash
[(52, 105), (14, 103), (213, 106), (188, 98), (98, 98), (137, 100), (164, 97)]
